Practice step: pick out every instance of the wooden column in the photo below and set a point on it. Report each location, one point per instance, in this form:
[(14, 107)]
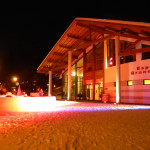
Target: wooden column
[(84, 74), (50, 84), (94, 69), (117, 50), (69, 73), (105, 64), (76, 81)]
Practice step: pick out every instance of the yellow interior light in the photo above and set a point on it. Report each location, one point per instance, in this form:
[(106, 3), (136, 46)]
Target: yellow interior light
[(146, 82), (130, 83)]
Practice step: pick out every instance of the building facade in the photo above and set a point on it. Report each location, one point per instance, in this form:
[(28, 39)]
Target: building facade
[(97, 58)]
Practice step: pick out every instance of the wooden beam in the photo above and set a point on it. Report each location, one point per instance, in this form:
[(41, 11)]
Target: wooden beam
[(142, 50), (146, 33), (76, 37), (132, 45), (43, 71), (58, 54), (94, 28), (53, 61), (127, 30), (82, 25), (56, 61), (62, 67), (101, 29), (101, 39), (80, 49), (135, 37), (45, 67), (59, 61), (78, 41), (90, 35), (111, 29), (65, 46), (73, 36)]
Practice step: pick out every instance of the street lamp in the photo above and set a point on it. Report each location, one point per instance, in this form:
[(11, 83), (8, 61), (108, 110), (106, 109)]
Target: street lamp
[(15, 79)]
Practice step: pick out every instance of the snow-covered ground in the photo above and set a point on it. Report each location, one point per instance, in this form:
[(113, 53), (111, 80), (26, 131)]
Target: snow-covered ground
[(77, 126)]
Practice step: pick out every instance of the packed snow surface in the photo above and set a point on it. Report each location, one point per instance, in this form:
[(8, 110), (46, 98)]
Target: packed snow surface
[(77, 126)]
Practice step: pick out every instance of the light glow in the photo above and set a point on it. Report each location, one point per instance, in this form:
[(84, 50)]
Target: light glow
[(27, 104), (106, 64), (37, 103), (84, 106), (73, 74), (46, 104), (15, 79), (117, 94)]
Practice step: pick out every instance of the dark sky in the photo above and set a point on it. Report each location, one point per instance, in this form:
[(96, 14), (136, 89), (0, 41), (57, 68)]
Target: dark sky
[(27, 37)]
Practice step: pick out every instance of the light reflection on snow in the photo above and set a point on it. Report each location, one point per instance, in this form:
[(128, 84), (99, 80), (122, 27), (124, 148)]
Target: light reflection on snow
[(30, 109), (46, 104), (35, 105), (86, 106)]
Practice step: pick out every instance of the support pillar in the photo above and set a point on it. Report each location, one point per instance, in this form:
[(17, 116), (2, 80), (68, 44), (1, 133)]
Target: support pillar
[(76, 81), (50, 84), (117, 49), (105, 64), (69, 73), (84, 74), (94, 69)]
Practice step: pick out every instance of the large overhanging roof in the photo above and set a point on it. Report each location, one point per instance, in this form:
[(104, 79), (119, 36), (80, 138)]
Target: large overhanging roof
[(84, 32)]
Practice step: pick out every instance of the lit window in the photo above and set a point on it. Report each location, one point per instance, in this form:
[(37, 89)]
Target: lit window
[(146, 82), (129, 83), (73, 74)]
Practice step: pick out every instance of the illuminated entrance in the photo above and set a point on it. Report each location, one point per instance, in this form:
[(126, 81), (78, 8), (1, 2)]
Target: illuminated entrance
[(98, 91), (76, 81), (86, 76), (89, 92)]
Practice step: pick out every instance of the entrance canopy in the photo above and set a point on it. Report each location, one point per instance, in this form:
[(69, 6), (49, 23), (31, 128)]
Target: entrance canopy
[(84, 32)]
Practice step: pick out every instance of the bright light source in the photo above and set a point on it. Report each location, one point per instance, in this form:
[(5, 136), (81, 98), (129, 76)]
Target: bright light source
[(14, 79), (73, 74), (34, 104), (146, 82), (129, 83), (111, 61)]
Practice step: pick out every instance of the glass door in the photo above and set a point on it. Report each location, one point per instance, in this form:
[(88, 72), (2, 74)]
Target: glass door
[(98, 91), (89, 92)]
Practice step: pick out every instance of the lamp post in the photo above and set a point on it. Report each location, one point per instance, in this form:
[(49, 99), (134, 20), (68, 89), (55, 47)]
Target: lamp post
[(15, 83)]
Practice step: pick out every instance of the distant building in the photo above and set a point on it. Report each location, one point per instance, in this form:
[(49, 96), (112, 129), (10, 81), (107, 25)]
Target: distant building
[(99, 56)]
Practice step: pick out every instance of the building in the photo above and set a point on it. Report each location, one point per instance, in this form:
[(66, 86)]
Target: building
[(99, 56)]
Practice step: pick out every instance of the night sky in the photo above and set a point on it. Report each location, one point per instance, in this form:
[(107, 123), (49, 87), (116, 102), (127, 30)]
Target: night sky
[(27, 37)]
